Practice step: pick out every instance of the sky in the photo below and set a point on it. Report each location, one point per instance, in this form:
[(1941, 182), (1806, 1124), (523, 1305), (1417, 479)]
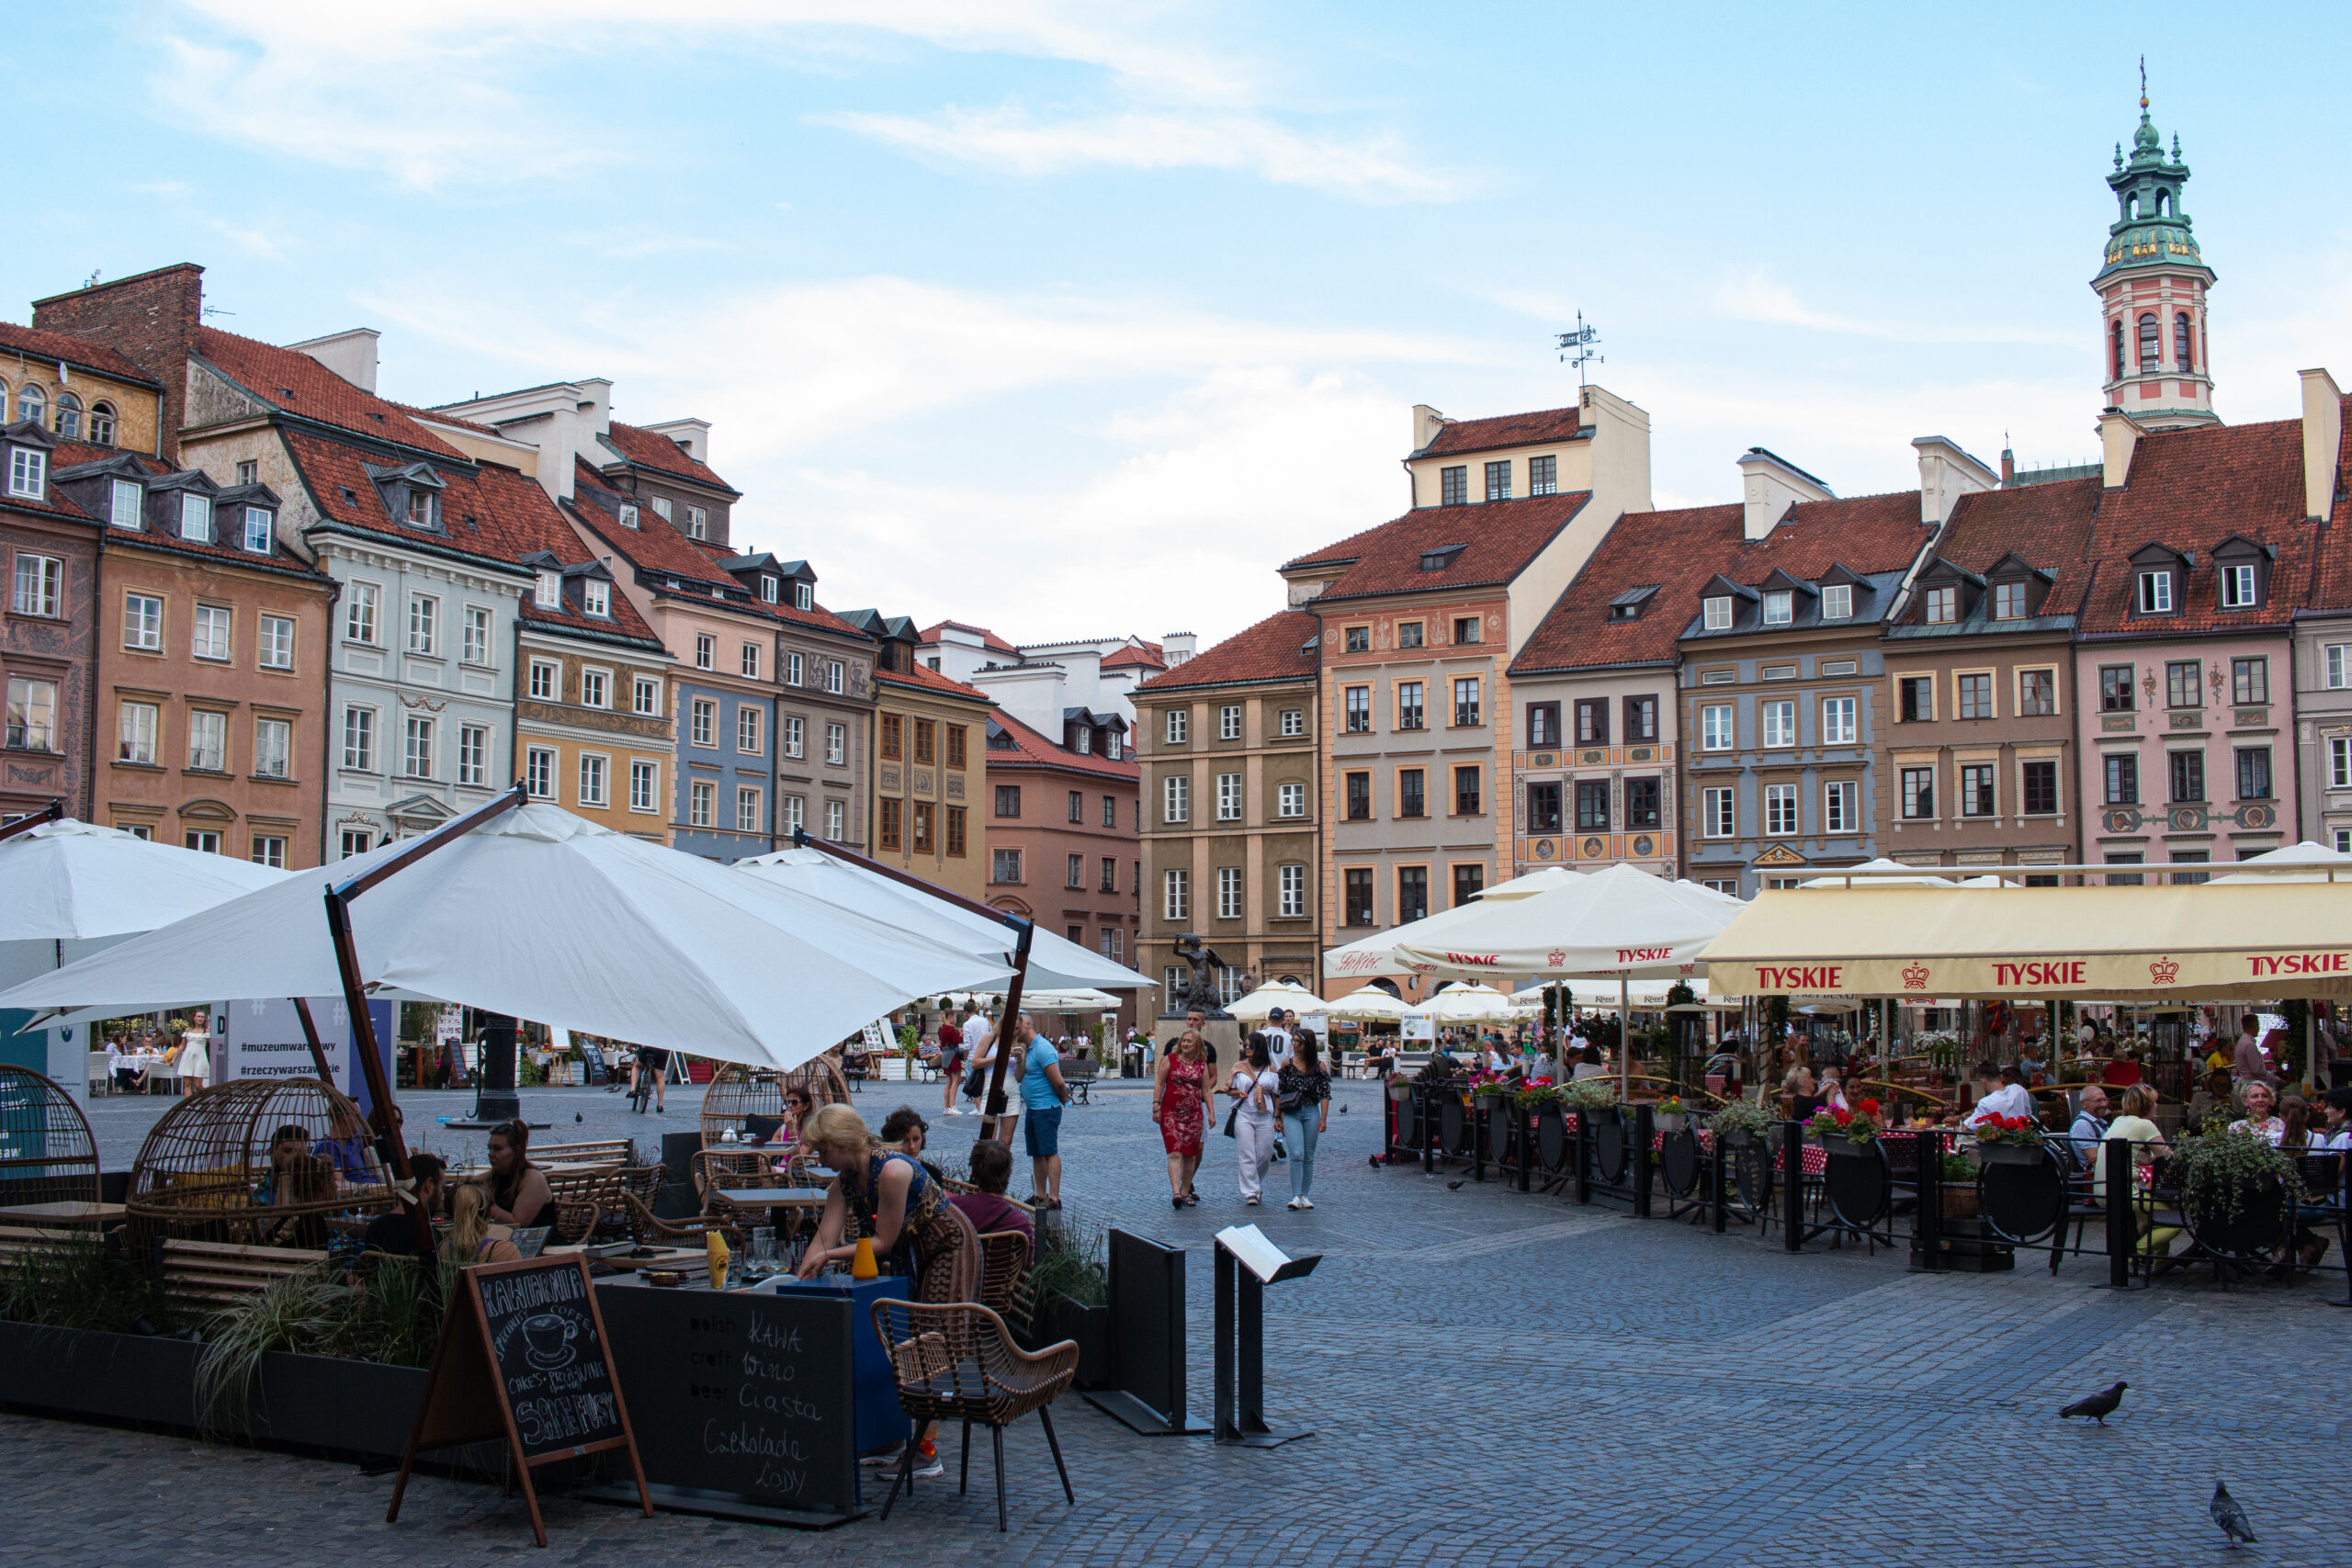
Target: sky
[(1077, 320)]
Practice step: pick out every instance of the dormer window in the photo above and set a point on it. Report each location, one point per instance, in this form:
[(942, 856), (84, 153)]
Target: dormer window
[(1111, 744), (804, 597), (2239, 588), (2155, 594), (1780, 607), (125, 499), (1628, 605), (1083, 739), (2009, 602), (1942, 606), (101, 424), (196, 518), (628, 515), (662, 507), (767, 588), (257, 529), (549, 595), (424, 508), (697, 523), (1838, 602), (1439, 559), (596, 597), (1715, 614), (28, 473)]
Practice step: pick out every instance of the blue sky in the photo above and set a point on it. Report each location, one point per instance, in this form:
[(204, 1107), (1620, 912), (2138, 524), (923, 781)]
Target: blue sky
[(1077, 319)]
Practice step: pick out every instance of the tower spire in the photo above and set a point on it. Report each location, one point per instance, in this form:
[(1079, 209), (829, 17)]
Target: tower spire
[(2153, 286)]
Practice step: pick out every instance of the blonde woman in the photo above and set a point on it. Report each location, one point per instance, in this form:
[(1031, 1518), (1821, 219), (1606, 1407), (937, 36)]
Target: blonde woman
[(472, 1237), (895, 1202), (1179, 1104)]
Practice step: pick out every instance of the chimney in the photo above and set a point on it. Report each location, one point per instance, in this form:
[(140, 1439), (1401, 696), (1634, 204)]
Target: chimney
[(1177, 647), (1769, 485), (151, 319), (693, 437), (1427, 423), (562, 419), (1946, 473), (2118, 435), (350, 354), (2322, 442), (2008, 468)]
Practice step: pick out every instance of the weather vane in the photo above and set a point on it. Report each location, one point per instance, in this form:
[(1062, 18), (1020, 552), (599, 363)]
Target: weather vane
[(1576, 347), (2144, 82)]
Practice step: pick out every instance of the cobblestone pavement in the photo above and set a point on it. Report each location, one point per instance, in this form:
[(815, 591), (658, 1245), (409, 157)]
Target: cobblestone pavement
[(1494, 1378)]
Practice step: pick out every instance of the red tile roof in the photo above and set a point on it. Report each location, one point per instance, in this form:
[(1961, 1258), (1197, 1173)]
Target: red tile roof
[(1678, 553), (2332, 569), (988, 639), (1504, 429), (1497, 539), (1275, 649), (1149, 656), (1031, 748), (49, 347), (932, 681), (72, 453), (2046, 525), (291, 381), (2191, 489), (649, 449)]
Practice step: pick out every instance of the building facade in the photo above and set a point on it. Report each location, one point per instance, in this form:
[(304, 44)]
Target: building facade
[(931, 735), (1229, 746), (49, 638), (593, 729), (2323, 652)]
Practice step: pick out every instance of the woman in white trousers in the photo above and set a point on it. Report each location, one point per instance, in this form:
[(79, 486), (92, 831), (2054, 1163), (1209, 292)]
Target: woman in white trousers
[(1253, 1090)]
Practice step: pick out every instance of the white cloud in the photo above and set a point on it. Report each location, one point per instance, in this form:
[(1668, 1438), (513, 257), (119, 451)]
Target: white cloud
[(1757, 297)]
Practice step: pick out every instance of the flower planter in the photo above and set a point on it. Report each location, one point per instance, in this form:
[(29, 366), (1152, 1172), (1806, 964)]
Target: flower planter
[(1738, 1137), (1669, 1120), (1959, 1202), (2008, 1153), (1091, 1327), (1841, 1147)]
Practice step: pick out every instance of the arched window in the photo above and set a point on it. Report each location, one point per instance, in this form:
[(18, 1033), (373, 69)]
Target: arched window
[(101, 424), (2152, 343), (68, 416), (2164, 202), (32, 404), (2117, 335), (2183, 346)]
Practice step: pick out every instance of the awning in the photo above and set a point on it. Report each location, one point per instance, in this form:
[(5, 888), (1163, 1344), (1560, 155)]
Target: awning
[(1378, 954)]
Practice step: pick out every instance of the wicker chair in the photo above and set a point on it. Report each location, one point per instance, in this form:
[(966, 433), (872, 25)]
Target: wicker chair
[(737, 1091), (958, 1362), (651, 1231), (47, 1155), (641, 1181), (1004, 1258), (205, 1158)]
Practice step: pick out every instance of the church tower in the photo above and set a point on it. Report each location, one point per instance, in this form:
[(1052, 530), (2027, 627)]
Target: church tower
[(2151, 289)]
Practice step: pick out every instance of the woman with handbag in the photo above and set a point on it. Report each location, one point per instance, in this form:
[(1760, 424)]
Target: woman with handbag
[(1253, 1090), (1179, 1107), (1303, 1098)]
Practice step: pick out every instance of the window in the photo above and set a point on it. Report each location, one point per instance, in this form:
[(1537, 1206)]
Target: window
[(257, 530), (2249, 680), (597, 688), (1840, 811), (138, 734), (359, 740), (2038, 788), (1718, 815), (1498, 480), (1714, 614), (1176, 719), (1110, 883), (2152, 355), (1007, 800), (1976, 797), (833, 677), (102, 424), (1592, 805), (2254, 772), (644, 785), (747, 730), (1780, 811), (142, 619), (1466, 702), (794, 734), (893, 733), (2009, 601), (703, 726), (792, 669), (1716, 730), (546, 681), (2187, 775), (1917, 698), (662, 507), (1544, 807), (2191, 857), (273, 748), (699, 527), (645, 697), (1918, 793), (2134, 879), (1229, 721), (32, 404), (1292, 724), (424, 508), (1358, 892), (926, 739), (747, 810), (1356, 639), (1077, 805), (1408, 634), (956, 757), (1409, 711), (1110, 811), (596, 597), (835, 812), (68, 422), (1112, 945), (837, 745), (1942, 606), (1228, 797), (2335, 663), (416, 747), (2238, 587), (1290, 800), (1780, 607), (767, 588), (2182, 688), (203, 840), (2037, 693), (2155, 593), (1411, 800), (804, 594), (1543, 476), (1641, 719), (1838, 602), (474, 755), (1412, 894), (702, 808), (1778, 719), (1289, 892), (1468, 629), (924, 842), (1976, 694), (125, 496), (359, 614), (1454, 485), (1176, 895), (1469, 800), (2339, 762), (2181, 357), (593, 772), (750, 661), (41, 581), (628, 515), (1837, 726), (1592, 722), (423, 620), (1176, 798), (208, 741), (1228, 892), (1359, 700), (269, 850), (2122, 778), (32, 715), (1359, 797), (706, 649), (547, 591), (473, 638), (2115, 688), (28, 471), (1543, 724)]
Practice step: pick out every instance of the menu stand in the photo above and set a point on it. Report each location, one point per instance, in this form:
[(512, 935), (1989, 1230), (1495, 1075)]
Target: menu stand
[(1245, 1264)]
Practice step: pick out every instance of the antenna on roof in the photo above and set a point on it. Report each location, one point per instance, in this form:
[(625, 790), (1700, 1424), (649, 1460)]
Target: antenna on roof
[(1576, 347), (91, 281), (215, 310)]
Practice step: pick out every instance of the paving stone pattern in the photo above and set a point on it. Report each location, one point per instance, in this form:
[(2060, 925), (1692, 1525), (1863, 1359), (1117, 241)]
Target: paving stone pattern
[(1494, 1378)]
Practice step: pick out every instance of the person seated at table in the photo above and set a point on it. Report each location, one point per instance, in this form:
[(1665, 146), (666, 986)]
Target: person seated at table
[(1588, 1062), (906, 1131), (289, 1143), (2211, 1100), (893, 1199), (347, 1149), (2132, 1125), (119, 1067), (518, 1190), (2088, 1129), (988, 1209), (2260, 1119), (2001, 1093), (299, 1177), (475, 1235), (1797, 1083), (392, 1231), (2335, 1130)]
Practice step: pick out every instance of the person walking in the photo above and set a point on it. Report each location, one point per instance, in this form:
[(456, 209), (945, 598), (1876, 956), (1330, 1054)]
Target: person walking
[(951, 1065), (1304, 1097), (1254, 1089), (980, 1054), (1043, 1095), (1179, 1103)]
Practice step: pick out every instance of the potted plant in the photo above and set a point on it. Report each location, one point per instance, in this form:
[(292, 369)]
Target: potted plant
[(2009, 1140), (1669, 1115), (1596, 1095), (1847, 1132), (1739, 1122), (1488, 1086), (1942, 1051), (1960, 1187), (2219, 1172), (1538, 1096), (1068, 1289)]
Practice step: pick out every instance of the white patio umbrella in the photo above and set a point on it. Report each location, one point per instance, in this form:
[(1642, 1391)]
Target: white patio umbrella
[(1378, 954), (1076, 999), (1465, 1004), (2312, 863), (72, 880), (546, 916), (1284, 994), (1368, 1004)]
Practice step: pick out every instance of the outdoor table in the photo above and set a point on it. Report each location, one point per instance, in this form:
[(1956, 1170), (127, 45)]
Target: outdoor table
[(66, 1211), (682, 1258), (774, 1197)]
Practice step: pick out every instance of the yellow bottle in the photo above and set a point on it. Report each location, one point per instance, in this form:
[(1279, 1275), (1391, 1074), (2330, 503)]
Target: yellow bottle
[(714, 1250), (863, 1266)]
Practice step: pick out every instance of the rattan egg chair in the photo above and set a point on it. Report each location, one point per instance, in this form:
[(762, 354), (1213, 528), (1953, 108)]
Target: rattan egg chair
[(47, 1155), (737, 1091), (206, 1158)]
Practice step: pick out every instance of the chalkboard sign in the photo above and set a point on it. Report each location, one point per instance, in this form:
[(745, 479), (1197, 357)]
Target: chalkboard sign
[(524, 1355)]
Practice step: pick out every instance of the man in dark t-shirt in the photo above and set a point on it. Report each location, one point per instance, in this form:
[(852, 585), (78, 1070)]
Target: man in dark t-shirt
[(988, 1209), (392, 1231)]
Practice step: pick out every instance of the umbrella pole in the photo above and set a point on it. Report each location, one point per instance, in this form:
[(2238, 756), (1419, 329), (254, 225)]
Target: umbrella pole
[(53, 812), (1625, 1035), (311, 1037), (1004, 1031)]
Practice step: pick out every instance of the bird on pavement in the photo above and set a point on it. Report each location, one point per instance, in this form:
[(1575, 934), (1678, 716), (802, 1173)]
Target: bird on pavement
[(1454, 1185), (1375, 1162), (2229, 1515), (2097, 1406)]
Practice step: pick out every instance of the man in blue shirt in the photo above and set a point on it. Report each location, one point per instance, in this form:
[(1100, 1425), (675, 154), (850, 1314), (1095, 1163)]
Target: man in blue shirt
[(1043, 1094), (2089, 1126)]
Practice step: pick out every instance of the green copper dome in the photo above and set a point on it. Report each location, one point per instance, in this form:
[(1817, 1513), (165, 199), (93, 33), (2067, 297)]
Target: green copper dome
[(2150, 229)]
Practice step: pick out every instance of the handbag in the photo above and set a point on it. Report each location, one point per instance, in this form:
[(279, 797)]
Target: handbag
[(1229, 1117), (973, 1082)]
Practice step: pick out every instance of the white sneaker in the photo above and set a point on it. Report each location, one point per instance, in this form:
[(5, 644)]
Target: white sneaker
[(932, 1470), (1294, 1203), (1307, 1202)]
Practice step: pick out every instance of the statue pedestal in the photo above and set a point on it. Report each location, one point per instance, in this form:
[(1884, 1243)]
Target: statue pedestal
[(1224, 1033)]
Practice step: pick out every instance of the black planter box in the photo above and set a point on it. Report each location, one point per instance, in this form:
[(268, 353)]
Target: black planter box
[(1091, 1327)]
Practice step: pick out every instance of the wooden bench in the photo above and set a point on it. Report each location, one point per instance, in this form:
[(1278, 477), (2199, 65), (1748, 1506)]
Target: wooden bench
[(16, 1241), (1080, 1073), (203, 1277), (596, 1151)]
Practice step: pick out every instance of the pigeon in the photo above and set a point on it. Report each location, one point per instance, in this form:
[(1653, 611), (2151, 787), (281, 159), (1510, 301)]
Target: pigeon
[(577, 1117), (2229, 1515), (1375, 1162), (2097, 1406), (1454, 1185), (1343, 1110)]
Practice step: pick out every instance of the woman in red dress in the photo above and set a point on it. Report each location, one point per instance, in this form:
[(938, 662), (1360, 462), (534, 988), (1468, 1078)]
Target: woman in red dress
[(1178, 1104)]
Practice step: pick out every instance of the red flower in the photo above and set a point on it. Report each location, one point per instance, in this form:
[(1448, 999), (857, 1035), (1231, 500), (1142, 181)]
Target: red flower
[(1842, 1117)]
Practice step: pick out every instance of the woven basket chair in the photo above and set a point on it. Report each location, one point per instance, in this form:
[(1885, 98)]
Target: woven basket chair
[(641, 1181), (205, 1158), (47, 1155), (1004, 1258), (651, 1231), (958, 1362), (737, 1091)]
